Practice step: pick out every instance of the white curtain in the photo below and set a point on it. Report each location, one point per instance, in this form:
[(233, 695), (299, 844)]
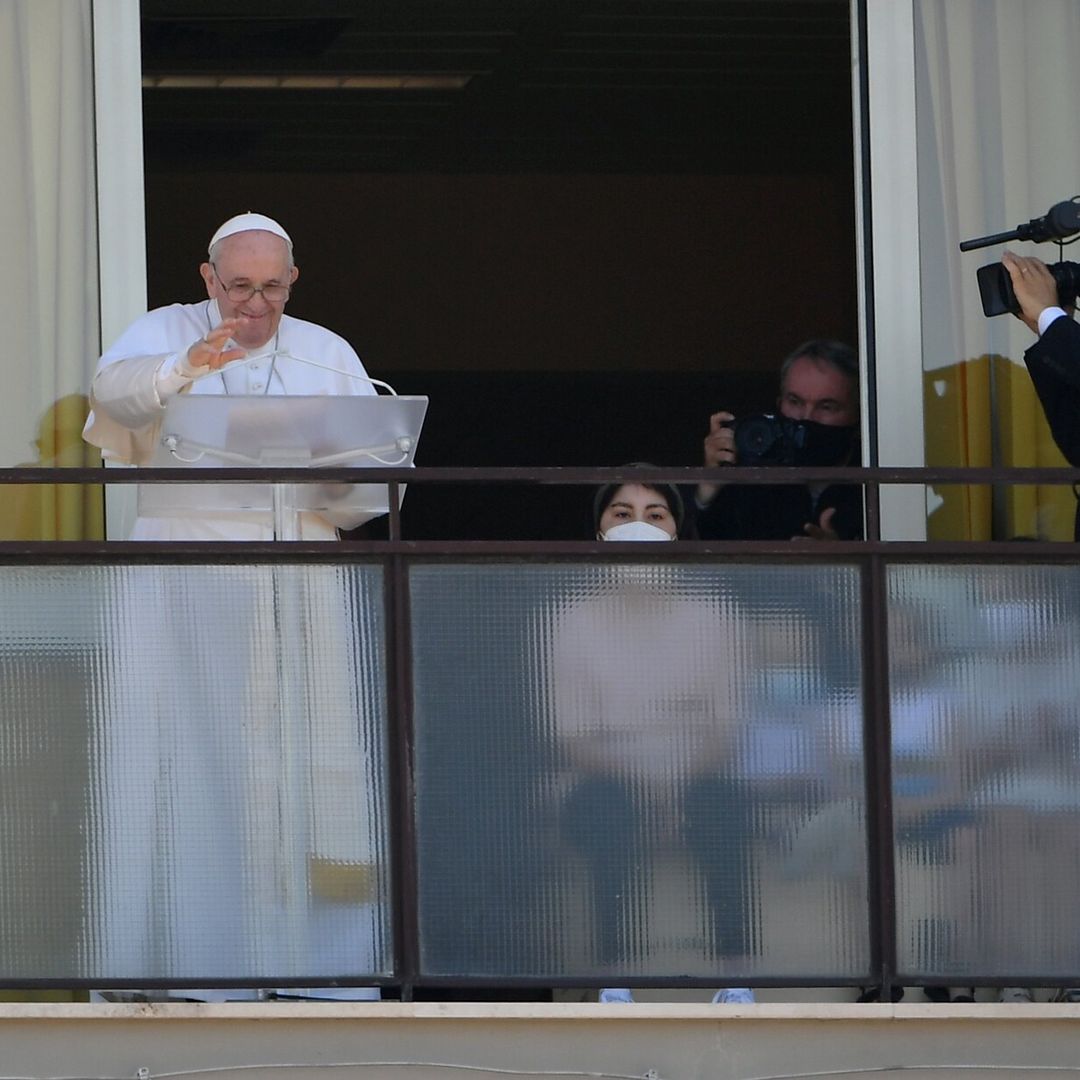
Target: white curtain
[(996, 83), (48, 276)]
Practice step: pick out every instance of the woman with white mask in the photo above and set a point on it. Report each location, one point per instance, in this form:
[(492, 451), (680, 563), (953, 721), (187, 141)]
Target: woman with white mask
[(647, 741), (637, 512)]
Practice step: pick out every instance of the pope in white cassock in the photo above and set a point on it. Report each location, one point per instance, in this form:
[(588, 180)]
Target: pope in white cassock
[(240, 751), (237, 342)]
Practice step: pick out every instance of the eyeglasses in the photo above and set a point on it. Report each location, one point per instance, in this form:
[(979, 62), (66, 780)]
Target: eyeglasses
[(238, 294)]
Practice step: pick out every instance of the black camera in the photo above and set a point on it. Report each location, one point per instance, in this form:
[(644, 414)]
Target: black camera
[(998, 297), (995, 286), (765, 439)]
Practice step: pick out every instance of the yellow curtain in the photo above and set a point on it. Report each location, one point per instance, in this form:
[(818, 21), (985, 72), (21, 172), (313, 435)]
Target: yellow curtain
[(961, 412), (991, 154), (56, 511), (49, 281), (1045, 511), (956, 402)]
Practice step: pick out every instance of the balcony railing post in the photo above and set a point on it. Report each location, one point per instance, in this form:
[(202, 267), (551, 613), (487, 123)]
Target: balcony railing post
[(402, 791), (878, 771)]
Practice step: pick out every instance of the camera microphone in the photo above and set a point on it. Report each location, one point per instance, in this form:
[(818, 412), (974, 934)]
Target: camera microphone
[(1060, 221)]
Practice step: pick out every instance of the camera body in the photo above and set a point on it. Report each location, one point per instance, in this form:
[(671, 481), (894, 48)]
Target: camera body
[(765, 439), (1062, 220), (768, 439), (998, 297)]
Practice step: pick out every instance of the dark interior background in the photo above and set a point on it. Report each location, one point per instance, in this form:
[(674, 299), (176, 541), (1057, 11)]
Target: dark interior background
[(579, 227)]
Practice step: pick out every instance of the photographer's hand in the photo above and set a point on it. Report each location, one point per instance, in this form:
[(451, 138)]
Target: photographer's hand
[(719, 450), (1033, 284), (823, 530)]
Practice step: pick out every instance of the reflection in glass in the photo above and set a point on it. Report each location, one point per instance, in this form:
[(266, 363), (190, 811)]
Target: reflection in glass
[(194, 776), (639, 769), (985, 689)]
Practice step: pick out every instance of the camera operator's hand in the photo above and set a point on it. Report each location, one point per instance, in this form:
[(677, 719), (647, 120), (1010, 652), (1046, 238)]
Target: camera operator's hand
[(823, 530), (720, 442), (1033, 284), (719, 450)]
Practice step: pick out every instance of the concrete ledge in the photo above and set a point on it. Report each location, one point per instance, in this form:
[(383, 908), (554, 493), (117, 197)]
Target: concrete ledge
[(431, 1040), (425, 1041), (589, 1012)]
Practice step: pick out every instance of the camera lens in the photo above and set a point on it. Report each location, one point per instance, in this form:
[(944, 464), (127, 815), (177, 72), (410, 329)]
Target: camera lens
[(755, 437)]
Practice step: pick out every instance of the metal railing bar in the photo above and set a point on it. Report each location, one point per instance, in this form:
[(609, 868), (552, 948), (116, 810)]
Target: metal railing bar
[(819, 551), (591, 475)]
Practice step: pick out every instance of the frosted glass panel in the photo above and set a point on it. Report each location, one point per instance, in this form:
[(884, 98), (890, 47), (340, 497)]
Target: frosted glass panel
[(192, 773), (985, 686), (639, 769)]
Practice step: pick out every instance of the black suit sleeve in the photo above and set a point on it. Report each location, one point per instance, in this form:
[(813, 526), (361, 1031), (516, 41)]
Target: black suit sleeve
[(1054, 364)]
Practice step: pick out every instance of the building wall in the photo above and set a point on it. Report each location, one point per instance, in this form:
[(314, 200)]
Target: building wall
[(669, 1042)]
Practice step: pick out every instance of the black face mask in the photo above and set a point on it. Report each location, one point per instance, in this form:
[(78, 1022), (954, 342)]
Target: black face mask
[(825, 444), (779, 440)]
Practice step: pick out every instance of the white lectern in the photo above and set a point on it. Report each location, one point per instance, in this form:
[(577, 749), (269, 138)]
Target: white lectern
[(222, 431)]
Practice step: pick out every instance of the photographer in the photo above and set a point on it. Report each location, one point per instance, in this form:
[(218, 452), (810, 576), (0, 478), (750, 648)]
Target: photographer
[(817, 424), (1054, 360)]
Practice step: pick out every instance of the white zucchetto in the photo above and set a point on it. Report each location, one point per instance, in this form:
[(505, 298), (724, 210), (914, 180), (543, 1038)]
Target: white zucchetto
[(249, 222)]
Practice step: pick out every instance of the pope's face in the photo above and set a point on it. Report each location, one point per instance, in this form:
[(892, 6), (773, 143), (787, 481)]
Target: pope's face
[(255, 258)]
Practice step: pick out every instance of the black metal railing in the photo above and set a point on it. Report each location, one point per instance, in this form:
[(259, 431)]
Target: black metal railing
[(873, 560)]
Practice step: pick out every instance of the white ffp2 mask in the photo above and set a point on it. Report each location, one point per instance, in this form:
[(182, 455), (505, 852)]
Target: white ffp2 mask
[(635, 530)]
